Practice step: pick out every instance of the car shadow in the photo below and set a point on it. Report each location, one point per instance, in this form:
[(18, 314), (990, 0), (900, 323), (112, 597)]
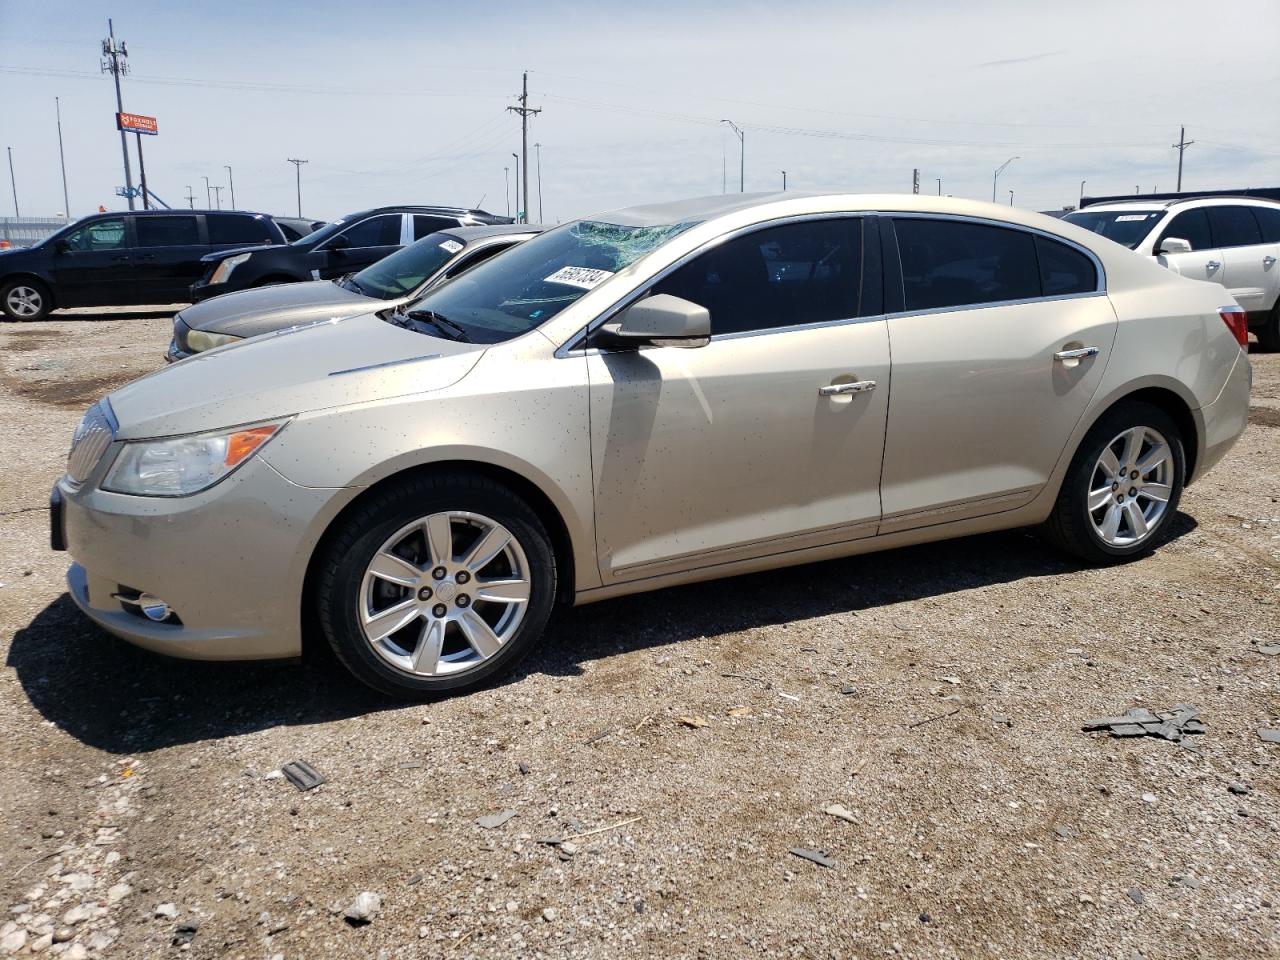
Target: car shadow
[(115, 697), (96, 315)]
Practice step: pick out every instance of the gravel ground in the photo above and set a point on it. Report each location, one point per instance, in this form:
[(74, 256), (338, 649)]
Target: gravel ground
[(935, 693)]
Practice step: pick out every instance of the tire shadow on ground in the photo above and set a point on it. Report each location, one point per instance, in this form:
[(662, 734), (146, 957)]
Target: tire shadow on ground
[(116, 697)]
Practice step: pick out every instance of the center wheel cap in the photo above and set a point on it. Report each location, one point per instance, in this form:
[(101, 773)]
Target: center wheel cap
[(446, 590)]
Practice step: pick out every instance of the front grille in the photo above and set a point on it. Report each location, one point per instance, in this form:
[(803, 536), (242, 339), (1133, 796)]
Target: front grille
[(90, 442)]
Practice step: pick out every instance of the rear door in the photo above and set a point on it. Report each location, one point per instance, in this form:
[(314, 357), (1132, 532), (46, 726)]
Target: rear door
[(1204, 262), (981, 408), (359, 245), (1245, 274), (1268, 218), (92, 266), (166, 257)]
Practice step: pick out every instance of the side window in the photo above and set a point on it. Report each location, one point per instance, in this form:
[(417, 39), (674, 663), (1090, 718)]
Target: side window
[(237, 228), (480, 256), (1191, 226), (798, 273), (423, 225), (99, 235), (1233, 227), (380, 231), (1269, 223), (167, 231), (951, 263), (1064, 270)]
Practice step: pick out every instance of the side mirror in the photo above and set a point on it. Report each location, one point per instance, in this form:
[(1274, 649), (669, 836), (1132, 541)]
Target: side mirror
[(1174, 245), (62, 247), (338, 244), (663, 321)]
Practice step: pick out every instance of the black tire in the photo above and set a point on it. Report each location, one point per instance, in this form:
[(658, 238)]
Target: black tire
[(1071, 528), (39, 292), (1269, 333), (339, 591)]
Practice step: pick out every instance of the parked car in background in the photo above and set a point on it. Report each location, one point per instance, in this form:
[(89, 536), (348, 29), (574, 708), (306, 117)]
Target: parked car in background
[(295, 228), (402, 277), (1226, 240), (111, 259), (656, 396), (336, 249)]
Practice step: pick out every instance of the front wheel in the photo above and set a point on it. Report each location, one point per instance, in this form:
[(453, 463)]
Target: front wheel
[(1122, 488), (436, 584), (24, 300)]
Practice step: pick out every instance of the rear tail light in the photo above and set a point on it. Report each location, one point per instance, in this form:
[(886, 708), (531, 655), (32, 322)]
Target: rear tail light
[(1237, 322)]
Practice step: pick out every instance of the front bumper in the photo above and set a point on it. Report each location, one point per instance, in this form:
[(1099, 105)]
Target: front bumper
[(176, 353), (230, 562), (201, 291)]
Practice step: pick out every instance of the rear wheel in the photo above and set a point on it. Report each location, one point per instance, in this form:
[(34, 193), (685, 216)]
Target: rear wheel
[(25, 300), (1269, 333), (1122, 488), (435, 585)]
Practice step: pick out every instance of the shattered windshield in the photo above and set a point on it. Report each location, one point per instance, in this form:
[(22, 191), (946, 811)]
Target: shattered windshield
[(529, 284)]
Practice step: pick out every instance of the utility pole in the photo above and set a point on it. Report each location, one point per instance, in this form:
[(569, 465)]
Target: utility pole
[(217, 195), (996, 176), (742, 156), (1181, 147), (297, 166), (142, 176), (516, 157), (115, 62), (525, 112), (66, 204), (915, 180), (1011, 198), (939, 179), (191, 198), (1080, 202), (538, 148), (506, 182), (233, 186), (13, 183), (784, 181), (208, 194)]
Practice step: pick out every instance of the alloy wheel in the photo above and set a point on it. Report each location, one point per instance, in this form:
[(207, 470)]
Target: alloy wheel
[(24, 301), (1130, 487), (444, 594)]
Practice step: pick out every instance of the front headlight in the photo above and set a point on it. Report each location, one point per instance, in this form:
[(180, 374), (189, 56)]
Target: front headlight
[(199, 341), (223, 271), (179, 466)]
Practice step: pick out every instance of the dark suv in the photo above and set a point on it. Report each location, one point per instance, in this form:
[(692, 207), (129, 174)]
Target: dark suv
[(109, 259), (344, 246)]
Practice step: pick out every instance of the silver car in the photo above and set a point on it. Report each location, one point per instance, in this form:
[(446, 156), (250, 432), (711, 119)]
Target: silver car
[(650, 397), (403, 276)]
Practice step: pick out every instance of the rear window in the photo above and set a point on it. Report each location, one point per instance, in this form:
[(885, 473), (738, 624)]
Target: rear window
[(237, 228), (1234, 227), (424, 225), (167, 231), (1064, 270), (1127, 227), (950, 263)]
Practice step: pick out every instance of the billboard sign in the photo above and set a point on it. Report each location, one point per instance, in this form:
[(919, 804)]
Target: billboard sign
[(136, 123)]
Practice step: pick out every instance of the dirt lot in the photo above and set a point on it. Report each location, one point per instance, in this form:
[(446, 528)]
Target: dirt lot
[(937, 693)]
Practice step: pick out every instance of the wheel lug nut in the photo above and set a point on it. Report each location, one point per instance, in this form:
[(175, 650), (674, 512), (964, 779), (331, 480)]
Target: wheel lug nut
[(439, 610), (439, 573), (1134, 475), (464, 600), (462, 576), (424, 594)]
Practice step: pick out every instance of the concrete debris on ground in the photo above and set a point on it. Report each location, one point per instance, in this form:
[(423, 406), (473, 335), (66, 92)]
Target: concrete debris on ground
[(815, 856), (495, 820), (363, 909), (302, 775), (1170, 725)]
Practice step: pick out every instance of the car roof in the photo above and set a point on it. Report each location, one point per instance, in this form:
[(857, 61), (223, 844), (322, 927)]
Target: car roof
[(1165, 204), (472, 234), (176, 212)]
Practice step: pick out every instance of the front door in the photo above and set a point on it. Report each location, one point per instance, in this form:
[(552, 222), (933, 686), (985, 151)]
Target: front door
[(166, 257), (92, 265), (756, 443), (1204, 262), (986, 386)]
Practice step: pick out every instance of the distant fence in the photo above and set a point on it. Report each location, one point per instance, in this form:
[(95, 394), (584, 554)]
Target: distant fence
[(25, 231)]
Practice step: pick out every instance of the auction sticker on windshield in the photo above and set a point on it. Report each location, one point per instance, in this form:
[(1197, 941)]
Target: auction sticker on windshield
[(452, 246), (584, 277)]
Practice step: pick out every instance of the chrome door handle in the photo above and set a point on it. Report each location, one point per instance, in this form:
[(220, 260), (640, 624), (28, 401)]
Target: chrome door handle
[(1268, 261), (836, 389), (1079, 354), (1213, 264)]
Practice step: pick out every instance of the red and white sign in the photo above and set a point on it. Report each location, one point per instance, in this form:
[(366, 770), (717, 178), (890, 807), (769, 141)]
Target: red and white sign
[(136, 123)]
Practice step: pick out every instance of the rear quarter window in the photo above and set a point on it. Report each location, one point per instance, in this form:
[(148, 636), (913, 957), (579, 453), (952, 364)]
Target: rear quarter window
[(1064, 270), (237, 228)]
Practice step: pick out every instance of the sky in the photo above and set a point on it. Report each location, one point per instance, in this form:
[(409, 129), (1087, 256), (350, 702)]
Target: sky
[(405, 102)]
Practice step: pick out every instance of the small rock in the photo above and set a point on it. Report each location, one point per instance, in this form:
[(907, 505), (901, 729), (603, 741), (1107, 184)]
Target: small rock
[(363, 909), (814, 856), (41, 943), (835, 810), (1269, 736), (168, 911), (495, 820), (77, 951), (1239, 789), (77, 914), (568, 848), (549, 914), (185, 932), (274, 775), (1149, 798), (63, 934), (524, 768), (1063, 832), (1136, 895), (118, 892), (14, 941)]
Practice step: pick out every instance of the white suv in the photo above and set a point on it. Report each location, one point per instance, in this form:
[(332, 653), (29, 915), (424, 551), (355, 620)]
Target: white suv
[(1227, 240)]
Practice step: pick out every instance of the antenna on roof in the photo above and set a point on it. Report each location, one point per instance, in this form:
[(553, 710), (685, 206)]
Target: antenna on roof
[(480, 201)]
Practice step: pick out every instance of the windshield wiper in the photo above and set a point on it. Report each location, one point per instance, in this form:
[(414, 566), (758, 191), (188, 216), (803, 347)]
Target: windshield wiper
[(446, 326)]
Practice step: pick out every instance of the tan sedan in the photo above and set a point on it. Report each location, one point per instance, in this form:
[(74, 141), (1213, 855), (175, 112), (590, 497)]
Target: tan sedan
[(650, 397)]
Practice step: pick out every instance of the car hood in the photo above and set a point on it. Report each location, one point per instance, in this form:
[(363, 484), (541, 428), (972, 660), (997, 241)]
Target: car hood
[(294, 371), (247, 313)]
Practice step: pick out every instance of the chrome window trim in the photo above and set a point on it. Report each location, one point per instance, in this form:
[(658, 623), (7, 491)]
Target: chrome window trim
[(567, 350)]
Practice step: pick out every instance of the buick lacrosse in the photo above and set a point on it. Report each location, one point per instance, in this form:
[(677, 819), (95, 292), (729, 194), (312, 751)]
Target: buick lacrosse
[(649, 397)]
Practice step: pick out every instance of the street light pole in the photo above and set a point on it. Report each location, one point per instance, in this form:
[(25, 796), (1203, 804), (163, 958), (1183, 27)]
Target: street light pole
[(939, 179), (506, 181), (1011, 198), (784, 181), (526, 199), (996, 176), (742, 156), (538, 149), (208, 194), (191, 198), (13, 183), (232, 183), (1081, 200), (66, 203)]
